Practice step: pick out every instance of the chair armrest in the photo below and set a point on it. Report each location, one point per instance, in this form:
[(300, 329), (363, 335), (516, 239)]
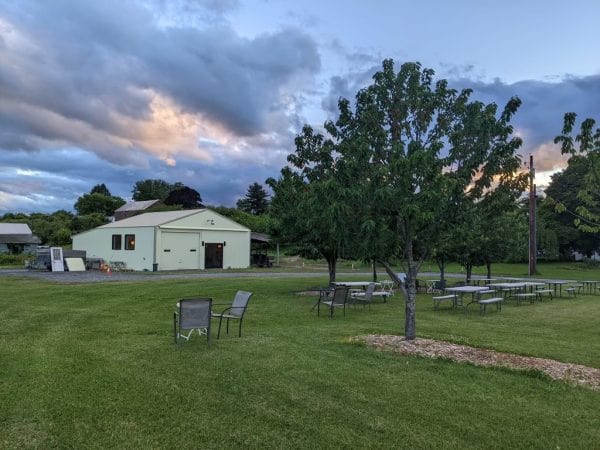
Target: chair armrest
[(222, 312)]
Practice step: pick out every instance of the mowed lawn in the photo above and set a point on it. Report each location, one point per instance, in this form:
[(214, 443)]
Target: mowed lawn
[(94, 366)]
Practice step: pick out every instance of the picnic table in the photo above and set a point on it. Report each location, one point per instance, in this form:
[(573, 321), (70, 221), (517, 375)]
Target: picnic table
[(590, 285), (462, 290), (556, 285)]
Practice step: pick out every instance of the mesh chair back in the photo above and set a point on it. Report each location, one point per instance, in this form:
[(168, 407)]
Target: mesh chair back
[(240, 302), (439, 285), (340, 295), (194, 313), (369, 291)]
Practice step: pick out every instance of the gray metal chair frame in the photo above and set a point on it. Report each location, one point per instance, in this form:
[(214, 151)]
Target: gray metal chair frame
[(235, 311), (192, 314), (339, 299)]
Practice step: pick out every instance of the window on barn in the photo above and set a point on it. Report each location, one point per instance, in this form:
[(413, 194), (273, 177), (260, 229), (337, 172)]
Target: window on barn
[(116, 242), (130, 242)]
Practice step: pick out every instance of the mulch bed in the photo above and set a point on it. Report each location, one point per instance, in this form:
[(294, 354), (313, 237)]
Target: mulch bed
[(429, 348)]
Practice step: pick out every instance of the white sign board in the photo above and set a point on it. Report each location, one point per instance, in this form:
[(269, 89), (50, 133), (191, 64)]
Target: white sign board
[(56, 256)]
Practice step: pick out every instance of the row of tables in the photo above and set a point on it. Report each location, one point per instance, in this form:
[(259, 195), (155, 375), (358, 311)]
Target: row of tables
[(589, 286)]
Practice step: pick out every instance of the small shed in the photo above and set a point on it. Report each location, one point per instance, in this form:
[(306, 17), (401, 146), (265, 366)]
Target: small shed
[(17, 238), (170, 240)]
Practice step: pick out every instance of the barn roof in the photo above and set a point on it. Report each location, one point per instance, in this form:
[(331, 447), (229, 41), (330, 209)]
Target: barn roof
[(137, 206), (19, 239), (260, 237), (14, 228), (151, 219)]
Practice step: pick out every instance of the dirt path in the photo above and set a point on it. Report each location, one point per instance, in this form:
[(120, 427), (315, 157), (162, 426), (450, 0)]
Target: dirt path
[(429, 348)]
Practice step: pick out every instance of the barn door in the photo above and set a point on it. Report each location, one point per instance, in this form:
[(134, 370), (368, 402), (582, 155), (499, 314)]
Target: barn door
[(213, 256)]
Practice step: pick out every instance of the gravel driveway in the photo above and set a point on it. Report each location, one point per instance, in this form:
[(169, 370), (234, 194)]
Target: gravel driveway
[(95, 276)]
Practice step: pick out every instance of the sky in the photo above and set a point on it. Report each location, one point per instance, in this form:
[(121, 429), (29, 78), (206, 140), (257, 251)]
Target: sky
[(211, 93)]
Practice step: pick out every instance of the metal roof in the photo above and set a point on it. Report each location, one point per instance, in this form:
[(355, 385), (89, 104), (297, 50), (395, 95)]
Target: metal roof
[(151, 219), (137, 206), (14, 228), (19, 239), (260, 237)]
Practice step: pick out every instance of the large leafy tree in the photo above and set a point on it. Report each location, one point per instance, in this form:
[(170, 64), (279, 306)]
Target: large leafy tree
[(586, 143), (414, 149), (98, 201), (153, 189), (558, 212), (256, 200), (309, 200), (185, 196)]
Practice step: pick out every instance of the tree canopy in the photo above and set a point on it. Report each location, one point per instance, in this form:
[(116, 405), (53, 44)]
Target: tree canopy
[(185, 196), (407, 154), (98, 201), (153, 189), (585, 144)]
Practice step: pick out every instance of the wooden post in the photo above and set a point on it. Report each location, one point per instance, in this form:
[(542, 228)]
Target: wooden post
[(532, 224)]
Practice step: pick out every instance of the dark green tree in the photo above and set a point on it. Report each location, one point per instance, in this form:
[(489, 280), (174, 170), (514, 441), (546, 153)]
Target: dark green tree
[(587, 144), (153, 189), (309, 201), (101, 189), (256, 200), (558, 211), (185, 196), (98, 203)]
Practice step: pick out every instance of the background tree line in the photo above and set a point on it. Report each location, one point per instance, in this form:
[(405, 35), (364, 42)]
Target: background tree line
[(97, 206)]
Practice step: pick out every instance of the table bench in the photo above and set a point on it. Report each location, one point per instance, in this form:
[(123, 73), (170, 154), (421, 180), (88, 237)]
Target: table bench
[(489, 301), (440, 298), (572, 291), (522, 296), (539, 293)]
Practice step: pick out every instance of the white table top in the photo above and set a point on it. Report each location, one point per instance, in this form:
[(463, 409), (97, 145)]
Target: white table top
[(467, 289), (509, 285), (355, 283)]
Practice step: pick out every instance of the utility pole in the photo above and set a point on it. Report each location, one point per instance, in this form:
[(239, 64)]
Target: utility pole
[(532, 225)]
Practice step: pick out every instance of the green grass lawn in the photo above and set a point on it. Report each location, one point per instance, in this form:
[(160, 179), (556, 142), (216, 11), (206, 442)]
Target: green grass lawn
[(94, 366)]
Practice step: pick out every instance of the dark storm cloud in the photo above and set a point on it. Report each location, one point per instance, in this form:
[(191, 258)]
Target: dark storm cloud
[(92, 64), (545, 103)]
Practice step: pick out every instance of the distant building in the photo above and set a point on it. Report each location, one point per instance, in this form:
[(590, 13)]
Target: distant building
[(170, 240), (132, 208), (17, 238)]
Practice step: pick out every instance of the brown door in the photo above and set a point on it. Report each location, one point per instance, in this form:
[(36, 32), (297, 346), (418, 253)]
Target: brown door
[(213, 256)]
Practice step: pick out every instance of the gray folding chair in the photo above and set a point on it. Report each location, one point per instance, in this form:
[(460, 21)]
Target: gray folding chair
[(337, 300), (192, 314), (234, 312)]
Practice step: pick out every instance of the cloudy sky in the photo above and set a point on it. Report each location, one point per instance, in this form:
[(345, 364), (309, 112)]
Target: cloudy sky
[(212, 92)]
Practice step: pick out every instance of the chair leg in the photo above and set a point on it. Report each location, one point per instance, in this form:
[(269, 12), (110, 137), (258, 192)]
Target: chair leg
[(219, 332), (227, 325), (175, 327), (240, 329)]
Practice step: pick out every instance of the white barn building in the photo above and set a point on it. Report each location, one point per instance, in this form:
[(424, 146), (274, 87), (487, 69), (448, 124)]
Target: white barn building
[(170, 240)]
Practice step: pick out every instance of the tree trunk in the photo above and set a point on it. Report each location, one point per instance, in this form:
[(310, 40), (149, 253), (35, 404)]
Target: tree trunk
[(374, 272), (442, 266), (469, 268), (488, 264), (331, 265), (410, 332)]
